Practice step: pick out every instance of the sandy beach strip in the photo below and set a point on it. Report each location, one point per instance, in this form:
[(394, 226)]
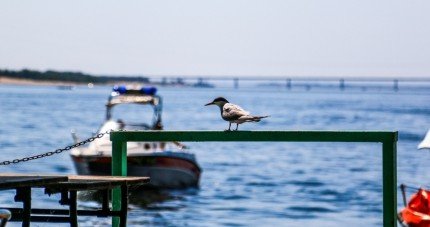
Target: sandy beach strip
[(15, 81)]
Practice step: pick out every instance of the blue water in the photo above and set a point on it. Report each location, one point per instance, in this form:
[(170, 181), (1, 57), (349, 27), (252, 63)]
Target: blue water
[(243, 184)]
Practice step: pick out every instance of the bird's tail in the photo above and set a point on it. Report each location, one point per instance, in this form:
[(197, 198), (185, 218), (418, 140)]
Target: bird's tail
[(255, 118)]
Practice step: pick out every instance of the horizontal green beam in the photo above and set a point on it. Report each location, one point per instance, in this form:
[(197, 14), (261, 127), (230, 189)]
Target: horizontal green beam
[(256, 136)]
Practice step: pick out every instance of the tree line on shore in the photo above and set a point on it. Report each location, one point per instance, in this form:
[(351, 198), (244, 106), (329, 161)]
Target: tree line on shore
[(73, 77)]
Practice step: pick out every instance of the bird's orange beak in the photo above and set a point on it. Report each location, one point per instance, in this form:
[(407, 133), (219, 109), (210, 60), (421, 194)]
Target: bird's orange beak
[(211, 103)]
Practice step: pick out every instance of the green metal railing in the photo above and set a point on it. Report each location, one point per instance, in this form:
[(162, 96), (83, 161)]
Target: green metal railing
[(388, 140)]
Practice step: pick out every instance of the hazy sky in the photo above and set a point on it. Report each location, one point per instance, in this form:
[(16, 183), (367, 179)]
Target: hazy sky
[(218, 37)]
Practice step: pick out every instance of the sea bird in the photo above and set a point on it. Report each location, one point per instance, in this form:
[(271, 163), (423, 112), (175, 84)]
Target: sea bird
[(234, 113)]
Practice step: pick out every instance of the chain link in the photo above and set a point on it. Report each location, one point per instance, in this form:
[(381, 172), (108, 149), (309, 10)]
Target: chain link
[(58, 151)]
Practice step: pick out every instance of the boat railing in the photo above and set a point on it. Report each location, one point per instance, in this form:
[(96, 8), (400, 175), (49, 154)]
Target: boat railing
[(388, 139)]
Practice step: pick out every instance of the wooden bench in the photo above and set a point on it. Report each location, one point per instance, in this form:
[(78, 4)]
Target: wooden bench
[(68, 186)]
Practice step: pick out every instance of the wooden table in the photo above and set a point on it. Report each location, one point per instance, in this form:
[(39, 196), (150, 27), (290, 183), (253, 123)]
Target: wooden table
[(68, 186)]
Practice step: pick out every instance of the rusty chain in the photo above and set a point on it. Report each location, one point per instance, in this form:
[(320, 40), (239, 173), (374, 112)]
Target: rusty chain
[(58, 151)]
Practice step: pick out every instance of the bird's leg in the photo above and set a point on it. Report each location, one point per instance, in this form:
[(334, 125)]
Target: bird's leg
[(237, 126), (229, 125)]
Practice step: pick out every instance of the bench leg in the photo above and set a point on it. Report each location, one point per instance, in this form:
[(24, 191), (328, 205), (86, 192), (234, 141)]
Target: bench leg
[(105, 202), (73, 208), (24, 195), (124, 206)]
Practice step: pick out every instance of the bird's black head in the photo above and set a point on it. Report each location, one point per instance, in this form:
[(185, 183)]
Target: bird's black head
[(218, 101)]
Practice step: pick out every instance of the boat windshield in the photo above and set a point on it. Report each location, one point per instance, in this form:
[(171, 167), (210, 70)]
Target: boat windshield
[(134, 116)]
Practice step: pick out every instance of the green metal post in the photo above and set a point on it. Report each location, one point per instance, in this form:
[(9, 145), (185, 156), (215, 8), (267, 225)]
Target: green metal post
[(119, 168), (389, 178), (388, 140)]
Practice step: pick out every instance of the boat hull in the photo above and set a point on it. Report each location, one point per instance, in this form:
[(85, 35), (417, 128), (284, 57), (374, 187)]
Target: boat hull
[(164, 171)]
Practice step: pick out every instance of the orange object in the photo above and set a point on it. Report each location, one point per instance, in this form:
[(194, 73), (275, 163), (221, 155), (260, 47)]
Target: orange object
[(417, 213)]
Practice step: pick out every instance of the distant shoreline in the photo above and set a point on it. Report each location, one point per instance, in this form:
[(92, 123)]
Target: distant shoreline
[(50, 77), (28, 82), (15, 81)]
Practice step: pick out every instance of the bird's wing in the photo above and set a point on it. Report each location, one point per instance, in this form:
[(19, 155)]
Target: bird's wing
[(233, 112)]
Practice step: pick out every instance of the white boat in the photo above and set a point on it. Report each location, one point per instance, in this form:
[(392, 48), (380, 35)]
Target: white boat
[(425, 143), (168, 165)]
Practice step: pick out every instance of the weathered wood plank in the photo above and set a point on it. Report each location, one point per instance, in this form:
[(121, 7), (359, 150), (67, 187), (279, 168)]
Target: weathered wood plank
[(11, 182), (72, 182)]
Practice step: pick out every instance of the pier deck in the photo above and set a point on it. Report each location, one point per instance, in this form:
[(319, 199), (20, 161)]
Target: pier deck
[(68, 186)]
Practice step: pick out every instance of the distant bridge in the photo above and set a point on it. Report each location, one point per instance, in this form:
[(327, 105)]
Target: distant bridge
[(288, 80)]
